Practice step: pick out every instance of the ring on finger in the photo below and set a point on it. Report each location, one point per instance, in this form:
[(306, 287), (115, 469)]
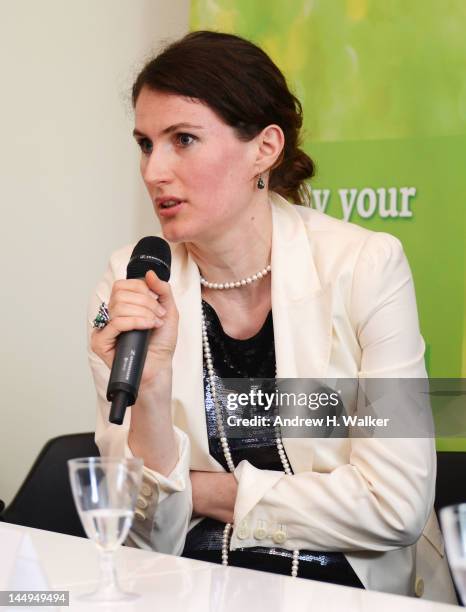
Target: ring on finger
[(102, 318)]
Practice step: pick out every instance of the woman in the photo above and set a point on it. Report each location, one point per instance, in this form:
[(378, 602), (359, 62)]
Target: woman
[(306, 296)]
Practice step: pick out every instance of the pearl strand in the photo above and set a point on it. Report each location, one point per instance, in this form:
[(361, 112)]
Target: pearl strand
[(226, 448), (213, 391), (239, 283), (225, 539)]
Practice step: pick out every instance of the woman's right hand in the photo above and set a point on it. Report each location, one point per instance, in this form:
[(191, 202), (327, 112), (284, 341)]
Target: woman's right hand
[(140, 304)]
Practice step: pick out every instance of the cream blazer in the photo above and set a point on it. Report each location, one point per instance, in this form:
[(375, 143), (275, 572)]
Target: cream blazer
[(343, 306)]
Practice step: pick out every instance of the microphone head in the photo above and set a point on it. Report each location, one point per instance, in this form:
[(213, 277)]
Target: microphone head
[(150, 253)]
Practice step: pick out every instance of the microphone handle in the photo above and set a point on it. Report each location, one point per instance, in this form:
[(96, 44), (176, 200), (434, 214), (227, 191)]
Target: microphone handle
[(127, 367)]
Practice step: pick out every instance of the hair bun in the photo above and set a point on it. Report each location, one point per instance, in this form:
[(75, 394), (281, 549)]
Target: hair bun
[(288, 178)]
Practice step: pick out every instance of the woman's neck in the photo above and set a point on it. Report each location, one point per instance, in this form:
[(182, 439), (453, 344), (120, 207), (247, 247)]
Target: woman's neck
[(237, 253)]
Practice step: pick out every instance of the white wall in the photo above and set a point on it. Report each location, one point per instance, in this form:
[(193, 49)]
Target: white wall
[(70, 194)]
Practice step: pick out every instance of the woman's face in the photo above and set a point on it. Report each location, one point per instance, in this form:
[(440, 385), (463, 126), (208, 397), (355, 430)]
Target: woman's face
[(199, 175)]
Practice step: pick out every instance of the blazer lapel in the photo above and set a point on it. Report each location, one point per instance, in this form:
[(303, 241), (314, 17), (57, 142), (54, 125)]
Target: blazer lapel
[(301, 306), (302, 313), (188, 387)]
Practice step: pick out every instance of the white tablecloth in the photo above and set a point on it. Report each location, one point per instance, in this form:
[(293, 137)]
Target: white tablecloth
[(168, 583)]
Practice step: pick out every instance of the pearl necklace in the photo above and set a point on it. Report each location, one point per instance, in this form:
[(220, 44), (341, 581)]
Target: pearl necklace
[(239, 283), (226, 447)]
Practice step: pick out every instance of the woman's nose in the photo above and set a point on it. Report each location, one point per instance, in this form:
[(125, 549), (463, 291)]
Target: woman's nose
[(158, 165)]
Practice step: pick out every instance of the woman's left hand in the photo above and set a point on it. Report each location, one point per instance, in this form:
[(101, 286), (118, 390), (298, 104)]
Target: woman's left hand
[(214, 495)]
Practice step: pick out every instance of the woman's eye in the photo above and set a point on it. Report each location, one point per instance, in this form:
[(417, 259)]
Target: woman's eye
[(185, 139), (145, 145)]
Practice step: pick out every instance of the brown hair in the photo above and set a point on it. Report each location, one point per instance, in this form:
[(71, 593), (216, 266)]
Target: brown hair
[(239, 81)]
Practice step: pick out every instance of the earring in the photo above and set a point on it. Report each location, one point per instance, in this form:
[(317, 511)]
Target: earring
[(260, 183)]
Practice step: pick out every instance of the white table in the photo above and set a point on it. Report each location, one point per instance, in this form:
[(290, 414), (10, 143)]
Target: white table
[(168, 583)]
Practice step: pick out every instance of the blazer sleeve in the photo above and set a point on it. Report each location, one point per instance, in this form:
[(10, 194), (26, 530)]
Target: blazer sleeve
[(164, 504), (382, 497)]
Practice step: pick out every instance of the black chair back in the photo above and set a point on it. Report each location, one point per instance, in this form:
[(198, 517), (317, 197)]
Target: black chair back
[(44, 500), (450, 485)]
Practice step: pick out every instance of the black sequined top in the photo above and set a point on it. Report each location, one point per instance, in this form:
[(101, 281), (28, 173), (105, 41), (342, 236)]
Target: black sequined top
[(252, 358)]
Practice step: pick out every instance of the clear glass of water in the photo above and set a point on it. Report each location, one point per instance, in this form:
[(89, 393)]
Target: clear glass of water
[(453, 520), (105, 490)]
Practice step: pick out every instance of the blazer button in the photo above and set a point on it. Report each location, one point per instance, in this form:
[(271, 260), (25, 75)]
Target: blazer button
[(279, 537), (146, 490), (139, 515), (141, 503), (260, 533), (243, 531), (419, 587)]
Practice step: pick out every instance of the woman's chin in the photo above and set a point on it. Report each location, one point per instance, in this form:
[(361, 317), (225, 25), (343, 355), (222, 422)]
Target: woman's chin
[(176, 234), (182, 230)]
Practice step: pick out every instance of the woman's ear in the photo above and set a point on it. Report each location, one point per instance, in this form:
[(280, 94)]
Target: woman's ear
[(270, 145)]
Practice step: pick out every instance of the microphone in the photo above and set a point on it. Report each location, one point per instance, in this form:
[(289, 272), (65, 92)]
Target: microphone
[(150, 253)]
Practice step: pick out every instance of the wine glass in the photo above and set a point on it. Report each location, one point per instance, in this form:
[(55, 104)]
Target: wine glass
[(105, 491), (453, 520)]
